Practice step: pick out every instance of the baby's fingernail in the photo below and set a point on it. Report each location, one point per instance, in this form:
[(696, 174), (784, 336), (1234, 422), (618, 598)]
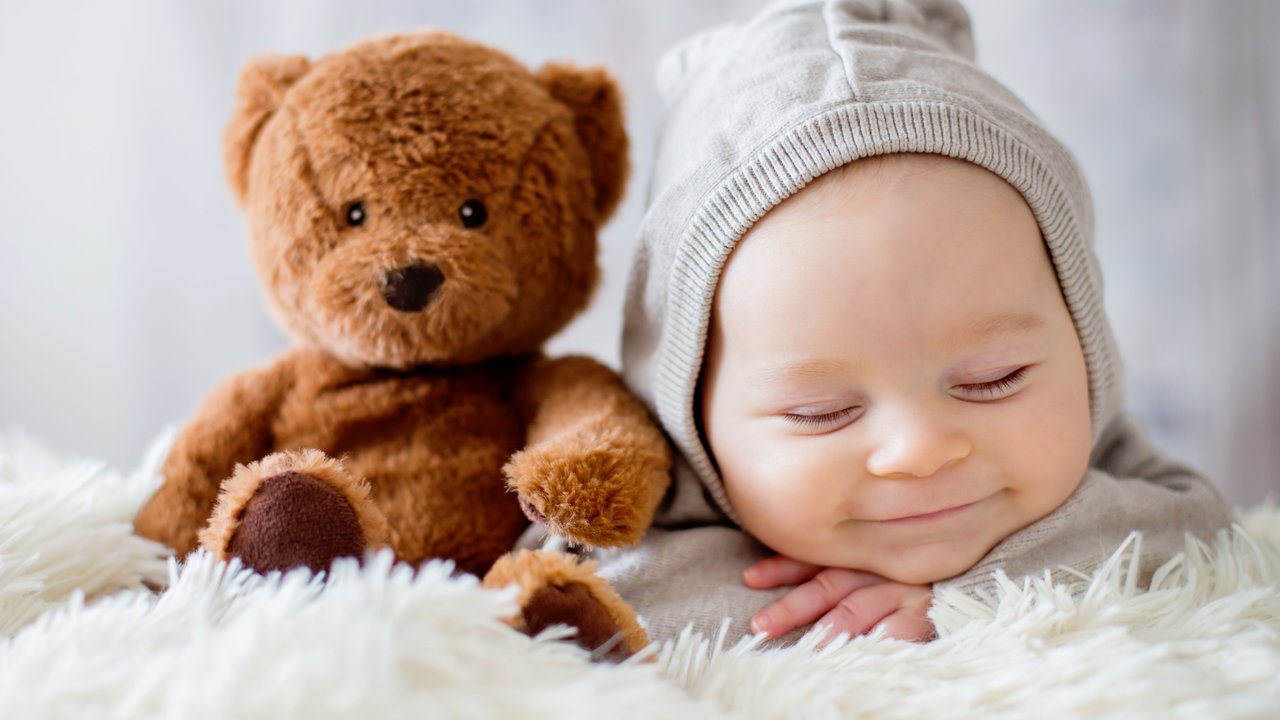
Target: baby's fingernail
[(760, 623), (750, 574)]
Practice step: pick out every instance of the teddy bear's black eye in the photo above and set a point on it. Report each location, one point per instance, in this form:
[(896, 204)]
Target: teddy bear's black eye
[(356, 214), (473, 214)]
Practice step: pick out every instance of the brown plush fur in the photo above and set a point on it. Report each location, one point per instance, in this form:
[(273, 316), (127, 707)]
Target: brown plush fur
[(445, 418), (535, 572), (582, 445)]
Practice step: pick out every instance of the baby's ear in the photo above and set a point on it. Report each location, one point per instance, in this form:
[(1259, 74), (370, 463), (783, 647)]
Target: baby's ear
[(263, 83), (593, 97)]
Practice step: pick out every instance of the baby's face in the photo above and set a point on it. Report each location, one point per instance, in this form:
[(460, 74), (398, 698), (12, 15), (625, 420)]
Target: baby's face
[(893, 382)]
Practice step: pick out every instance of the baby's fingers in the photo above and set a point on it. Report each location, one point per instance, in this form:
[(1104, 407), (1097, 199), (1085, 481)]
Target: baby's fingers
[(778, 570), (911, 623), (811, 601), (864, 609)]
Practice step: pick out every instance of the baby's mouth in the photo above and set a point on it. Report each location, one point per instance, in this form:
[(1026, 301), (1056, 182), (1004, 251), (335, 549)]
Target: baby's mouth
[(932, 516)]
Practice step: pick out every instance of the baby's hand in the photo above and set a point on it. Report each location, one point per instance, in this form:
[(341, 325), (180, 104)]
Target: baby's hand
[(849, 601)]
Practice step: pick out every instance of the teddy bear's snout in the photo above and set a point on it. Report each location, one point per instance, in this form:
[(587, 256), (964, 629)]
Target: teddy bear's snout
[(412, 287)]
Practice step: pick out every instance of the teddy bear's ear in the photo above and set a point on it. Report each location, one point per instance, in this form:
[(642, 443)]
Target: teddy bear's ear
[(593, 96), (262, 85)]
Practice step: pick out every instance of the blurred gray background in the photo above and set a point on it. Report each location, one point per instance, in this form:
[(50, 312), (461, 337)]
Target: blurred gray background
[(126, 291)]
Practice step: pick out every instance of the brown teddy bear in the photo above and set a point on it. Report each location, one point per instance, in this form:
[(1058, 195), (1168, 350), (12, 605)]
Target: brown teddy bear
[(423, 213)]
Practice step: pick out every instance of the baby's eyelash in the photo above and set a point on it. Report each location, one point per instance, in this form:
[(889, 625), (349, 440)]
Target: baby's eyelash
[(996, 387), (991, 390), (823, 419)]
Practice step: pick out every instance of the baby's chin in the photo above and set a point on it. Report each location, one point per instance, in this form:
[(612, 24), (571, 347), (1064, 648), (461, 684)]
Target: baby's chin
[(924, 564), (927, 565), (904, 560)]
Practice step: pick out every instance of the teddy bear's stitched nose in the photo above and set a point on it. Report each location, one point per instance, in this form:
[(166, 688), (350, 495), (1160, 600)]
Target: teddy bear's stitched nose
[(410, 288)]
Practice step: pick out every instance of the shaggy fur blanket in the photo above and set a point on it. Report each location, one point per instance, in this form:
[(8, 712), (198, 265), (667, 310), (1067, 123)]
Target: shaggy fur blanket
[(81, 635)]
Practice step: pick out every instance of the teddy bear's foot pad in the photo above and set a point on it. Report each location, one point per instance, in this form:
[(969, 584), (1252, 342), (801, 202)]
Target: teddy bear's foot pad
[(558, 589), (295, 520), (574, 605)]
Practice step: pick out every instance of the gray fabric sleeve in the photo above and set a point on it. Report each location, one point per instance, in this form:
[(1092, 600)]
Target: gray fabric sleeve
[(691, 576)]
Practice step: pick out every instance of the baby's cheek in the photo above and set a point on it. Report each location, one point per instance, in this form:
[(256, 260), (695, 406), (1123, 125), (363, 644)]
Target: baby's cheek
[(1062, 464), (1063, 458), (791, 505), (760, 492)]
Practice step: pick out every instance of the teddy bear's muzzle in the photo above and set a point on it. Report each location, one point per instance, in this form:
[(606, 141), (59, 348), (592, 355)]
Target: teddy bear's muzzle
[(411, 288)]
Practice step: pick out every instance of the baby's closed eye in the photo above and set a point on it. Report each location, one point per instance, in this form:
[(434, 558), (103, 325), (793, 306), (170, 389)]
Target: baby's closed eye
[(996, 389), (822, 419)]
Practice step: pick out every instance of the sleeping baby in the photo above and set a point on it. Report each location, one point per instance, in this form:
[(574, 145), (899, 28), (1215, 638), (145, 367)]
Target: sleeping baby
[(866, 310)]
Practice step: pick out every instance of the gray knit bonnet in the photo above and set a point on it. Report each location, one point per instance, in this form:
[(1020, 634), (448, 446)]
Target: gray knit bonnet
[(757, 110)]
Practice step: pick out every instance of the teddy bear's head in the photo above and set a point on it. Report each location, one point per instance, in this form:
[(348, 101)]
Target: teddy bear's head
[(424, 199)]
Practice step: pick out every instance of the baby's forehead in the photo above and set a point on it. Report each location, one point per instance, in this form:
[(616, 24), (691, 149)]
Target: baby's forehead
[(902, 174), (871, 190), (890, 232)]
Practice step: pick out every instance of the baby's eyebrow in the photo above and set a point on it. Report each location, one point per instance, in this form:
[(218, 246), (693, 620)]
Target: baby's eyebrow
[(807, 369), (986, 328)]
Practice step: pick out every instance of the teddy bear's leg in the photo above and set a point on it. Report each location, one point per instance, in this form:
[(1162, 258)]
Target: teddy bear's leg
[(557, 589), (293, 509)]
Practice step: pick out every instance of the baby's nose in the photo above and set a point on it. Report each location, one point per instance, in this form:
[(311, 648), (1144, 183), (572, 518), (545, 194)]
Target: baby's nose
[(917, 446), (412, 287)]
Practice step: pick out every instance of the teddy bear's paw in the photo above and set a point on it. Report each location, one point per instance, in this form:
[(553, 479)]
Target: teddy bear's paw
[(557, 590), (595, 497), (298, 509), (575, 606), (295, 520)]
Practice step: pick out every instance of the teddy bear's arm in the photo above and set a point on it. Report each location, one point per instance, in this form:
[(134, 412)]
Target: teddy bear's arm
[(232, 425), (595, 466)]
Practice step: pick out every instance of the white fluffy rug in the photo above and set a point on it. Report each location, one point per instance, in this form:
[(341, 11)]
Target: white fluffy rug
[(81, 636)]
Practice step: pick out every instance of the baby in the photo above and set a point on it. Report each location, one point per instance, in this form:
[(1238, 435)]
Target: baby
[(892, 384), (866, 310)]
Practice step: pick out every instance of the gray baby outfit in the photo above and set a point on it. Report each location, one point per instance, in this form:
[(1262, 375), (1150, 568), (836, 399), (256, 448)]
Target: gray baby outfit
[(754, 112)]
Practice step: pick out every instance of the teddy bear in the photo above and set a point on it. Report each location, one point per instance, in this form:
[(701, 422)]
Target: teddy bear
[(423, 212)]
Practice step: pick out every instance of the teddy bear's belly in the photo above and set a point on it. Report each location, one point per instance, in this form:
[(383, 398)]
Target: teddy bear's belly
[(432, 453)]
